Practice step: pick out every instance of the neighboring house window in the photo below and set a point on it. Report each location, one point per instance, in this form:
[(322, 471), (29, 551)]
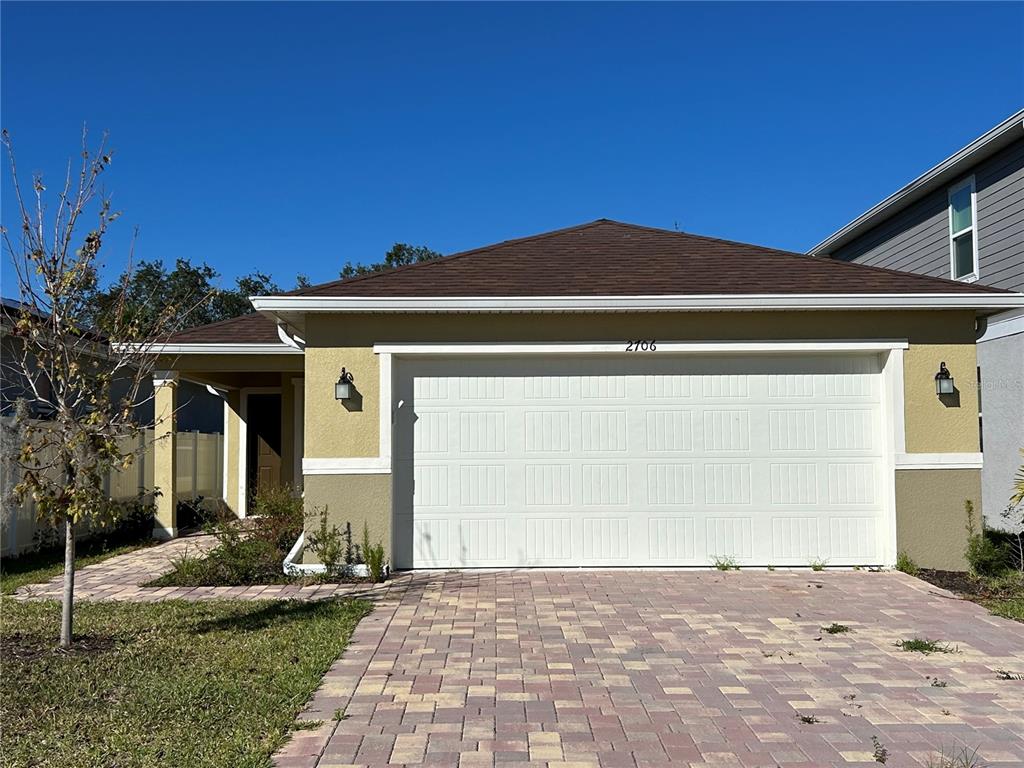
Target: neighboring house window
[(963, 231)]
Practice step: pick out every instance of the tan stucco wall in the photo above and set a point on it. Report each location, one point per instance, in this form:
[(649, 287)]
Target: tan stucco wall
[(930, 516), (353, 500), (287, 429)]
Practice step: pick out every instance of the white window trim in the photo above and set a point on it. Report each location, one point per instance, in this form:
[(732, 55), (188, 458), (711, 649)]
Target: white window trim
[(972, 229)]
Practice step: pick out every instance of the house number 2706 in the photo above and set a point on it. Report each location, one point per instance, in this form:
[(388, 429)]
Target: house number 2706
[(641, 345)]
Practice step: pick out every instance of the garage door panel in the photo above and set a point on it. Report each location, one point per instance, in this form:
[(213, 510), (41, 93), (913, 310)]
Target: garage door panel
[(658, 461)]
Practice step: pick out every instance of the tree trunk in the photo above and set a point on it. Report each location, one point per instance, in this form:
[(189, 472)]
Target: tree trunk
[(69, 583)]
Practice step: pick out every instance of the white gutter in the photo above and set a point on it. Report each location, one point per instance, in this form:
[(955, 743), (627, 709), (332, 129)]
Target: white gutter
[(210, 349), (704, 303), (946, 171)]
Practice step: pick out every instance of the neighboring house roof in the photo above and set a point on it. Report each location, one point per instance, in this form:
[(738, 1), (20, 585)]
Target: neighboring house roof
[(602, 265), (943, 174)]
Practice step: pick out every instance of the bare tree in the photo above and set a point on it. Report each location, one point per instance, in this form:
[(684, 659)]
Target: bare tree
[(88, 385)]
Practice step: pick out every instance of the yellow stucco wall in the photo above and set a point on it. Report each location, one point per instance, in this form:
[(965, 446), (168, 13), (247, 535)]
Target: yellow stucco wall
[(233, 436), (930, 516), (932, 426), (950, 424), (332, 430)]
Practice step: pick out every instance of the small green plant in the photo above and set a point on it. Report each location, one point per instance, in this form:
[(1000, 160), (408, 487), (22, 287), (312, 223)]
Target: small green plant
[(808, 719), (936, 683), (818, 564), (905, 564), (836, 629), (1005, 674), (771, 567), (328, 543), (339, 715), (984, 556), (917, 645), (725, 563), (373, 554), (881, 754), (958, 757), (306, 725)]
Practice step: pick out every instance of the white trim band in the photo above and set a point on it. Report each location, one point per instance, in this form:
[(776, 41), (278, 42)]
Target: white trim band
[(938, 461), (619, 347), (209, 349), (703, 302), (345, 466)]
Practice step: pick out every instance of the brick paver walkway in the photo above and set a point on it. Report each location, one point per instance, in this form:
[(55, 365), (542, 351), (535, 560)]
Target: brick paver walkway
[(630, 669), (121, 578)]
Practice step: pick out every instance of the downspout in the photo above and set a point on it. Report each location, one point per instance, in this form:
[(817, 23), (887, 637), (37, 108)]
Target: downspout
[(980, 327), (295, 342)]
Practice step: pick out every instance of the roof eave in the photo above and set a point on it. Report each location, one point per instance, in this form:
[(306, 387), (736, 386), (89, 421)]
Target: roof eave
[(284, 306), (955, 165)]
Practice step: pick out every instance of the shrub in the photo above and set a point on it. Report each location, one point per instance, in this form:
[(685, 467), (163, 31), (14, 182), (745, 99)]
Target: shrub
[(278, 516), (984, 555), (905, 564), (330, 546), (373, 554), (250, 552)]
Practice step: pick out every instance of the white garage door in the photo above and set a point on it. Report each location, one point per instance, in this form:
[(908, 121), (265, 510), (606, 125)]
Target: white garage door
[(647, 460)]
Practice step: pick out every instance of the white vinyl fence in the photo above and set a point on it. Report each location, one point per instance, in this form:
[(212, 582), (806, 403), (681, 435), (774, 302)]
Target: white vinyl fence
[(200, 472)]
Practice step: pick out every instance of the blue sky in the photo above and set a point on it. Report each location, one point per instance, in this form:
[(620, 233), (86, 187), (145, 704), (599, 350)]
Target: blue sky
[(292, 137)]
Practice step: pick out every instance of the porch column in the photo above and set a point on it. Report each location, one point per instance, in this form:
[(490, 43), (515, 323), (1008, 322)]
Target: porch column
[(165, 407)]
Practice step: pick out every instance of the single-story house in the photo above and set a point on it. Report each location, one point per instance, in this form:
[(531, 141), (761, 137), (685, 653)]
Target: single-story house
[(609, 395)]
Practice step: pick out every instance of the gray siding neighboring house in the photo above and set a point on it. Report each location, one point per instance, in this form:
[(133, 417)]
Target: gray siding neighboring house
[(913, 230)]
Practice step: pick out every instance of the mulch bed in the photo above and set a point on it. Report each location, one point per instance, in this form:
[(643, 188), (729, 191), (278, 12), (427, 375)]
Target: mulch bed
[(965, 584)]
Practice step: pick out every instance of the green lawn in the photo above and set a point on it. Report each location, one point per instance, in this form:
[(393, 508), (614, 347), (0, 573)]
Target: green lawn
[(214, 683), (41, 566)]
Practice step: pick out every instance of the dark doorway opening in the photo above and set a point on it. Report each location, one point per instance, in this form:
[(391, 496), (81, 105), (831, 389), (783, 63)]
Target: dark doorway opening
[(263, 444)]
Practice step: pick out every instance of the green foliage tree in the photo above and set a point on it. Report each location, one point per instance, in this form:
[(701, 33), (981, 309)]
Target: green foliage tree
[(149, 288), (400, 255)]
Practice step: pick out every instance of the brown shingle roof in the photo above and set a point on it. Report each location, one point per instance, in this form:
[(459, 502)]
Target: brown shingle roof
[(253, 328), (603, 258), (609, 258)]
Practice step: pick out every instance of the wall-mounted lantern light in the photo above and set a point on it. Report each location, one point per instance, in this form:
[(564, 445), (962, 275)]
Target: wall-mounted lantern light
[(344, 387), (943, 381)]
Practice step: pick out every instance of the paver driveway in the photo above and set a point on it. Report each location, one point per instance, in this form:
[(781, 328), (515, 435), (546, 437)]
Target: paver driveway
[(661, 668)]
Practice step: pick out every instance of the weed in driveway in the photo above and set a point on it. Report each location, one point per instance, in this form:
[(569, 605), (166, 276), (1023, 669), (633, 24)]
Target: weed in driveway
[(905, 564), (818, 565), (881, 754), (836, 629), (918, 645), (936, 683), (1005, 674), (958, 757), (808, 719), (725, 563)]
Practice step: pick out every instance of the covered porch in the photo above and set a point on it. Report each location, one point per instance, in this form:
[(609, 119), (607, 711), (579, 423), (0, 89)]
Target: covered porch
[(263, 396)]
